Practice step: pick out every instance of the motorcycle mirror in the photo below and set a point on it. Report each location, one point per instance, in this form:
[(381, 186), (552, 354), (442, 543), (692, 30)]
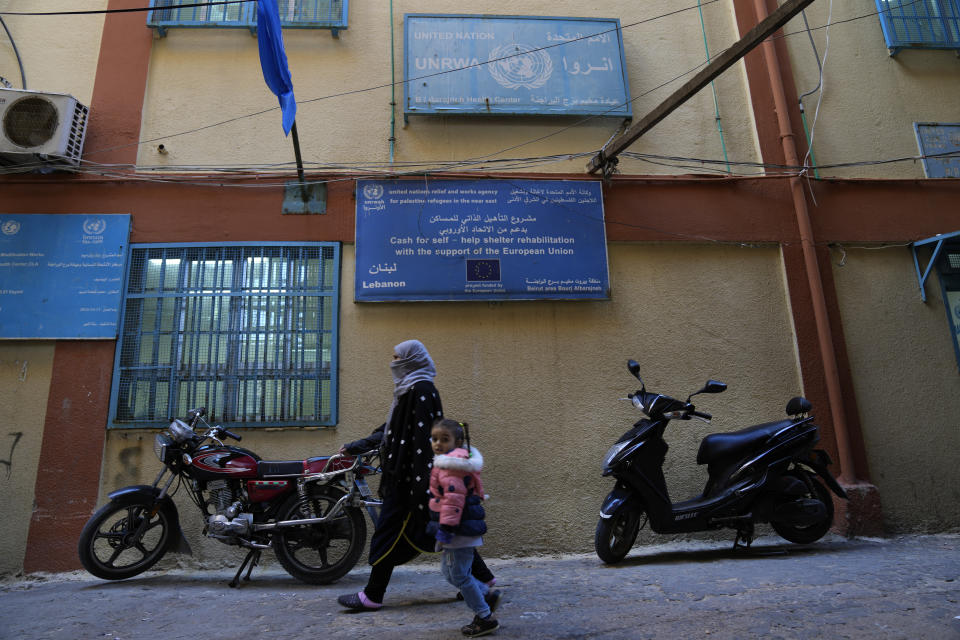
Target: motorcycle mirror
[(634, 368)]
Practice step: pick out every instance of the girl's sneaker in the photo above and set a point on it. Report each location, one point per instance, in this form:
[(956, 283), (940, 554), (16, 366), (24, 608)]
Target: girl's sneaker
[(480, 627)]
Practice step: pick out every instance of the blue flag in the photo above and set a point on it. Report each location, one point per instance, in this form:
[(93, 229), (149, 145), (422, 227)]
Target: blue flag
[(273, 60)]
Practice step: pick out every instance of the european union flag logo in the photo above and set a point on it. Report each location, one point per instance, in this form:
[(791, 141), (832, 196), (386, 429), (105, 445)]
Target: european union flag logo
[(483, 270)]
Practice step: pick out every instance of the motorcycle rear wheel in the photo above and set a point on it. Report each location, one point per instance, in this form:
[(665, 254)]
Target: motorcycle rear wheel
[(319, 553), (813, 532), (121, 540), (615, 535)]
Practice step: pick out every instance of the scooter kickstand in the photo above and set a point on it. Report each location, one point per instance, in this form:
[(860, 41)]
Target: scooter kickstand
[(249, 562), (745, 534)]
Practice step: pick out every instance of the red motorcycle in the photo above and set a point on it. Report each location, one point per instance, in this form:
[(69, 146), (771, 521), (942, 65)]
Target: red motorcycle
[(309, 511)]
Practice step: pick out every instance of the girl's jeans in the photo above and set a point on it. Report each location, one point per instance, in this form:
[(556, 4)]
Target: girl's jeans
[(456, 569)]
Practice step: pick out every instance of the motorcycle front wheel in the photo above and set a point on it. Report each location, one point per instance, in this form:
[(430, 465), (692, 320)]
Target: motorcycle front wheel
[(319, 553), (121, 540), (813, 532), (615, 535)]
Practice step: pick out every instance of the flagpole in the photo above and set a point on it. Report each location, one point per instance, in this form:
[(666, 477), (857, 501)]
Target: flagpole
[(296, 152)]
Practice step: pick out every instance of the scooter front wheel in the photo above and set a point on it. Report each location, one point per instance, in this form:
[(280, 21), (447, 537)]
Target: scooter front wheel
[(615, 535)]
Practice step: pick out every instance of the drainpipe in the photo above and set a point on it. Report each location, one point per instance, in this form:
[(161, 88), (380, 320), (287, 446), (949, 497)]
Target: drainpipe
[(824, 335), (393, 91)]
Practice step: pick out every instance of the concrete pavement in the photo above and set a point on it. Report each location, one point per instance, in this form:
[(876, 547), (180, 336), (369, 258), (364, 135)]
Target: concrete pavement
[(906, 587)]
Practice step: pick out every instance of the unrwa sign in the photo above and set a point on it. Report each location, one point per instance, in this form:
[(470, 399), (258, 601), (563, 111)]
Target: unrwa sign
[(471, 64)]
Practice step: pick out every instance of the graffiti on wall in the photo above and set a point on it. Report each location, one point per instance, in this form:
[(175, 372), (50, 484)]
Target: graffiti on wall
[(16, 435)]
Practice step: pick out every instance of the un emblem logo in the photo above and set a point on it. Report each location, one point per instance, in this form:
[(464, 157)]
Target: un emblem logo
[(372, 191), (10, 228), (519, 65), (94, 226)]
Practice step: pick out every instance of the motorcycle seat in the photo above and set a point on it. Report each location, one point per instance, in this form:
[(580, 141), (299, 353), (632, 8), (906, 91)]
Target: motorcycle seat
[(720, 446)]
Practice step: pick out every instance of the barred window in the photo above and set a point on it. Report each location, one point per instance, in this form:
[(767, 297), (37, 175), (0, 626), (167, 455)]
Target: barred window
[(294, 14), (247, 331), (920, 24)]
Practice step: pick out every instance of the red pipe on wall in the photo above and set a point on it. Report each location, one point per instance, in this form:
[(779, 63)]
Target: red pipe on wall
[(824, 334)]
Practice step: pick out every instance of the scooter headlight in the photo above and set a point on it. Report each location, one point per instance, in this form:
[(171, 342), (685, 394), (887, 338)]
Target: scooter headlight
[(612, 453)]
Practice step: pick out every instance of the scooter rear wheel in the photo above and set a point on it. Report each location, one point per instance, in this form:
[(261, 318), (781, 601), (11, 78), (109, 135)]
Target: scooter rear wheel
[(813, 532), (615, 535)]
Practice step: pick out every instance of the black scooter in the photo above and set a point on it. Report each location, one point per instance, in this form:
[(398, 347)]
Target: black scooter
[(764, 473)]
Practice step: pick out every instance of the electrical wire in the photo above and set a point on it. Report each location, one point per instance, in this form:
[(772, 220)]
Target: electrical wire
[(130, 10), (816, 113), (23, 76), (263, 174)]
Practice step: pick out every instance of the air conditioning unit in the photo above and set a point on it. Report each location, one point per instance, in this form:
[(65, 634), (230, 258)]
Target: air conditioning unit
[(40, 130)]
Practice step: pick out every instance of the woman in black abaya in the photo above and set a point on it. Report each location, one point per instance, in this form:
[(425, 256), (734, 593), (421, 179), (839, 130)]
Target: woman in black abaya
[(406, 458)]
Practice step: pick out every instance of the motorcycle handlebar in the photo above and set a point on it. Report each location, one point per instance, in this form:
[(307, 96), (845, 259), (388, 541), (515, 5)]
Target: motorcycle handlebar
[(227, 432), (702, 414)]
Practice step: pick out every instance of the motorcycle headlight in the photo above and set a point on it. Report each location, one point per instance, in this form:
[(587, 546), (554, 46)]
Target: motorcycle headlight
[(612, 453), (161, 445), (180, 431)]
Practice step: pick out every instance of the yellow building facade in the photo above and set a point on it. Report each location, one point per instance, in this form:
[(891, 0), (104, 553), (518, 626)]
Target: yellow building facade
[(712, 273)]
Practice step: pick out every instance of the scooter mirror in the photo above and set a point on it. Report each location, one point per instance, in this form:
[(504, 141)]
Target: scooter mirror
[(634, 368), (714, 386)]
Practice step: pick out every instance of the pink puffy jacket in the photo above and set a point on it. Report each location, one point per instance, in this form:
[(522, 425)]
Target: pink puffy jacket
[(454, 476)]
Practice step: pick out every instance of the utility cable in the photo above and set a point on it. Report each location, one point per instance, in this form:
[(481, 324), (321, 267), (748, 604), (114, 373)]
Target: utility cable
[(803, 113), (816, 113), (23, 77), (713, 87), (131, 10)]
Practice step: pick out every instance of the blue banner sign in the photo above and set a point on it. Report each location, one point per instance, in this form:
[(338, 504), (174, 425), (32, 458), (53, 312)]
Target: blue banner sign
[(514, 65), (61, 276), (480, 240), (936, 138)]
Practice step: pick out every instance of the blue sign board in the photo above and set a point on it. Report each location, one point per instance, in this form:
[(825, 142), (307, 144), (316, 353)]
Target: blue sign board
[(61, 276), (514, 65), (936, 138), (480, 240)]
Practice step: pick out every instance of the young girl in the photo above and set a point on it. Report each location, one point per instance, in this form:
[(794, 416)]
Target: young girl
[(456, 494)]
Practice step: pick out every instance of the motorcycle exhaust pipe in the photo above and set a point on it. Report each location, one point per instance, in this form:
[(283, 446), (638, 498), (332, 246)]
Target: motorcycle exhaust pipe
[(296, 523)]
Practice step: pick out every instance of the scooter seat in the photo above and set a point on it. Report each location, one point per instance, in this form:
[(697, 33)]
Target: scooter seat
[(720, 446)]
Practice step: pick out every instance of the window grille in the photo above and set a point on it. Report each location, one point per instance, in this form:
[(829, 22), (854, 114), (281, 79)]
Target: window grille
[(247, 331), (920, 24), (294, 14)]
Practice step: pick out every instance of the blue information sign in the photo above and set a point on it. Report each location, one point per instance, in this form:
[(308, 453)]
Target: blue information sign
[(480, 240), (61, 275), (937, 138), (514, 65)]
